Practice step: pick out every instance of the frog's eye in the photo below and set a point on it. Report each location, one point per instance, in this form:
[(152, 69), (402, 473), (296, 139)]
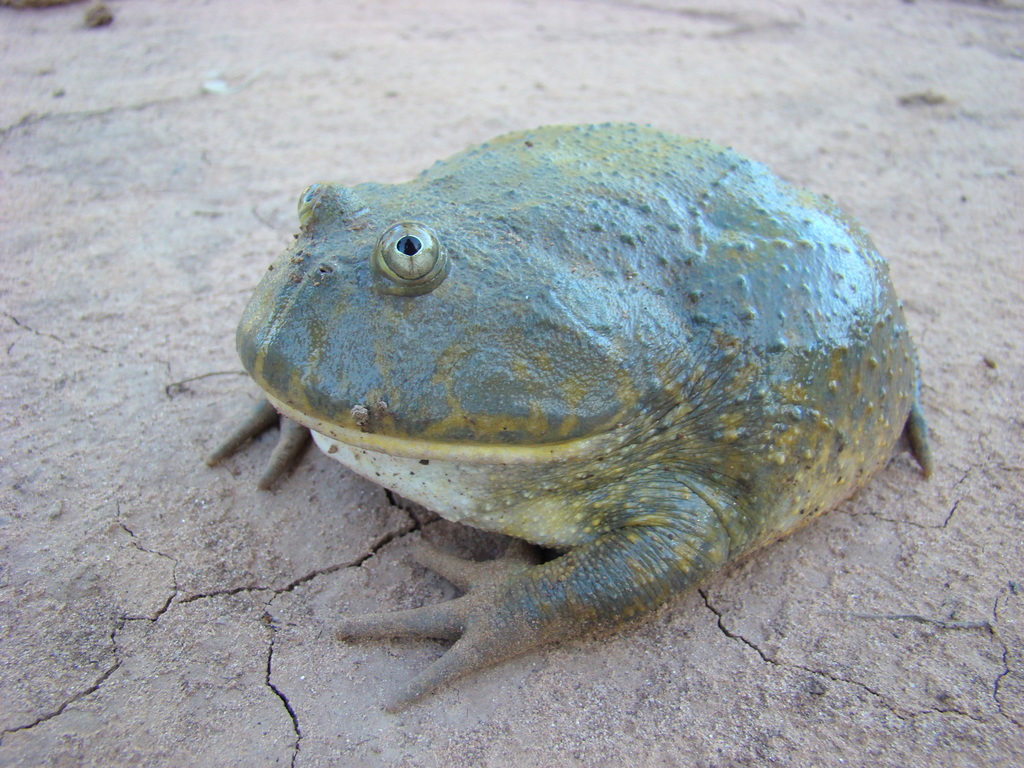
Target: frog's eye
[(307, 201), (410, 256)]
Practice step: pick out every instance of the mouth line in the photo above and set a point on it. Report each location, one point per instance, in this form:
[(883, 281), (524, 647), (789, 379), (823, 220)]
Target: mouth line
[(465, 453)]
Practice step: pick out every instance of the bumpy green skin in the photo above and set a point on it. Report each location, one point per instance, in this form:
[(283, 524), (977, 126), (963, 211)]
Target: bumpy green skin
[(734, 343)]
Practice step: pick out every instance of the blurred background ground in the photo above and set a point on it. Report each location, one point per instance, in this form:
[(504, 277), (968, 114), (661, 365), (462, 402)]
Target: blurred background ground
[(157, 612)]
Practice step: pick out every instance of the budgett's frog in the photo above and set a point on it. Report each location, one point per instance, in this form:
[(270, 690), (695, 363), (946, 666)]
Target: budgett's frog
[(644, 352)]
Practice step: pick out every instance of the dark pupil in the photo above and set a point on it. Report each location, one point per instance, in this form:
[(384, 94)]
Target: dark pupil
[(408, 245)]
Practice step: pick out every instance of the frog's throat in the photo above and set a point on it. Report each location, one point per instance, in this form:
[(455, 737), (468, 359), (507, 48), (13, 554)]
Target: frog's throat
[(468, 453)]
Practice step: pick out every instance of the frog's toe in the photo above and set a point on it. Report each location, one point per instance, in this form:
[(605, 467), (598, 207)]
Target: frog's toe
[(916, 430), (468, 575), (259, 420), (443, 621), (473, 651), (481, 640), (447, 620), (290, 445)]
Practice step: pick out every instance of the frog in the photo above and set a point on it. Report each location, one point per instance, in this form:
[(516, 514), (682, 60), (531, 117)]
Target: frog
[(642, 354)]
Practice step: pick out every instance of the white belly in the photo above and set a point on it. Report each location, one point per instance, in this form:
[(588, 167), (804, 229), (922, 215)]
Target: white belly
[(455, 490)]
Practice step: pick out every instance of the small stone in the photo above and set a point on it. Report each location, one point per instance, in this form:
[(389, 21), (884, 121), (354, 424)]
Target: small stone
[(36, 3), (922, 99), (816, 687), (98, 15)]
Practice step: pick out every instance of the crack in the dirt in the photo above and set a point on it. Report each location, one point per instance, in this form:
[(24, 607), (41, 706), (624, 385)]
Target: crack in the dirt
[(900, 712), (775, 662), (306, 578), (951, 511), (161, 610), (95, 686), (284, 699), (60, 709), (956, 503), (372, 550), (222, 593), (884, 519), (733, 635), (998, 682), (176, 388), (925, 526), (411, 526), (30, 329), (45, 334), (31, 118), (124, 619), (26, 119), (918, 619)]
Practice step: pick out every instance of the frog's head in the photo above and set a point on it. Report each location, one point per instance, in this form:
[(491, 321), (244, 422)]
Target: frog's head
[(398, 315)]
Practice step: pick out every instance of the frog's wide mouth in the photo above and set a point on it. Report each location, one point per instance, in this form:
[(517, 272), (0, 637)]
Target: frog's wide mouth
[(468, 453)]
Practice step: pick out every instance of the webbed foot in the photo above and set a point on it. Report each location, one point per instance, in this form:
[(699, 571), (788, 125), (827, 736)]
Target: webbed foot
[(512, 604), (469, 620), (290, 445)]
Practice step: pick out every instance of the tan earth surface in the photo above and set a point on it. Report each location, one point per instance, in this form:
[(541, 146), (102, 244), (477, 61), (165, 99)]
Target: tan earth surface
[(154, 611)]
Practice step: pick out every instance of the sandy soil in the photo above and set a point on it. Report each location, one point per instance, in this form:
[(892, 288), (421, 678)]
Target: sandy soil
[(157, 612)]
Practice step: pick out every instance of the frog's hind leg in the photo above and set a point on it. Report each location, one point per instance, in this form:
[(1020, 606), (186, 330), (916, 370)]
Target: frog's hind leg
[(512, 606), (916, 430)]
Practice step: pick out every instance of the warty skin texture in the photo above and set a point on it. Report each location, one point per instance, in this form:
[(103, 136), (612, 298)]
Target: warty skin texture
[(645, 351)]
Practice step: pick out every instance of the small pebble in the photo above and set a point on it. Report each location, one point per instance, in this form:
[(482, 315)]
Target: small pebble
[(98, 15)]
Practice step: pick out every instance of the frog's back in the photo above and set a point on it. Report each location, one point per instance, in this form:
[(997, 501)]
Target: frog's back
[(713, 235), (763, 335)]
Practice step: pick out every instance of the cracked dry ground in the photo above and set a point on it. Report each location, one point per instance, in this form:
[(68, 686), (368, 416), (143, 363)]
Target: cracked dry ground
[(157, 612), (169, 655)]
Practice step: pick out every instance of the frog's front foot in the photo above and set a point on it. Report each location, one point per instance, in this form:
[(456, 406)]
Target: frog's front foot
[(290, 445), (471, 620)]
